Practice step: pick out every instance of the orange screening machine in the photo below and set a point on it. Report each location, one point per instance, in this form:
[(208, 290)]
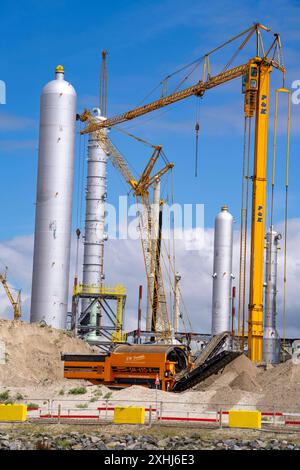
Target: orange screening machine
[(128, 365)]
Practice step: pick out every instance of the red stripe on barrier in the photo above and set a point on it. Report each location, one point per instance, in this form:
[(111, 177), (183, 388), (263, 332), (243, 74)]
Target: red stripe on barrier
[(174, 418), (69, 416), (103, 408), (264, 413)]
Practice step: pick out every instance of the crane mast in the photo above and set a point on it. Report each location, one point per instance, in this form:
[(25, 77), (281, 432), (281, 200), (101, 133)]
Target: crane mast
[(259, 182)]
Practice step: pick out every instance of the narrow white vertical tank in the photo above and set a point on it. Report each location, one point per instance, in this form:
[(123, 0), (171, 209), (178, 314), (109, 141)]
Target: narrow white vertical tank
[(52, 239), (96, 193), (176, 310), (222, 271), (271, 345)]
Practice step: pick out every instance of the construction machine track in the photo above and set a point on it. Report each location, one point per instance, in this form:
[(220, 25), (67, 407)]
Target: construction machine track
[(204, 370)]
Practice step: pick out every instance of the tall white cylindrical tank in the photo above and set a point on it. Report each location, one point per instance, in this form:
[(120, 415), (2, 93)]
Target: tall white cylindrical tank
[(222, 271), (271, 343), (52, 239)]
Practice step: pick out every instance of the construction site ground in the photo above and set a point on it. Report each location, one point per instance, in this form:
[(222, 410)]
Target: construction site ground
[(31, 371)]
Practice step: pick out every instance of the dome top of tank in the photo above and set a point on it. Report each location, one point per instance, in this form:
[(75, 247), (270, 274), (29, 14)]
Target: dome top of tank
[(59, 84)]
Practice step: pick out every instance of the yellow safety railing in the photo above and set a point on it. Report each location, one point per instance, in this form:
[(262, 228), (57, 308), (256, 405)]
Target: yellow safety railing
[(117, 290)]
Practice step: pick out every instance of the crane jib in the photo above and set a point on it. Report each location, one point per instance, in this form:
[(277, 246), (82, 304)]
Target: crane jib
[(197, 90)]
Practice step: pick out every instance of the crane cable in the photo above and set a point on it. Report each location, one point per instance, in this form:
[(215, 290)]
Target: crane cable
[(197, 128), (287, 159), (244, 229), (246, 220), (119, 129)]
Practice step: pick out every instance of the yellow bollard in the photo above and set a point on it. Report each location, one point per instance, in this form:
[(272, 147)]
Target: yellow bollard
[(129, 415), (245, 419), (13, 412)]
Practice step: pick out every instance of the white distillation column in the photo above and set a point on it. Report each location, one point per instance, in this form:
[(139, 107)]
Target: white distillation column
[(176, 312), (93, 269), (271, 343), (222, 272), (154, 238), (53, 217)]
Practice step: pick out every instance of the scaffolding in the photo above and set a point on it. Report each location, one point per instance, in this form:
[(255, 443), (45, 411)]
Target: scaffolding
[(109, 329)]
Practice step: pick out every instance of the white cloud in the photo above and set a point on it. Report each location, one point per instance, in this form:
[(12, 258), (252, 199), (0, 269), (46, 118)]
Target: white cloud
[(9, 122), (124, 264), (15, 145)]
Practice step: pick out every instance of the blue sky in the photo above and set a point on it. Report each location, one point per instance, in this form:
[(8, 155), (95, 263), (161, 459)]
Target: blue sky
[(145, 40)]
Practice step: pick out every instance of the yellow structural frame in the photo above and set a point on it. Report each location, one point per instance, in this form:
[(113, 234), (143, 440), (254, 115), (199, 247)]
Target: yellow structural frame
[(117, 292), (255, 315)]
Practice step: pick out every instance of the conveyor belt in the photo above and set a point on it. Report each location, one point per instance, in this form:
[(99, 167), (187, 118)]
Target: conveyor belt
[(204, 370), (213, 347)]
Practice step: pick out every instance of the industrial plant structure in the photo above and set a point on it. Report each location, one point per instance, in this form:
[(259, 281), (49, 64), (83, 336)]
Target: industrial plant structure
[(165, 350)]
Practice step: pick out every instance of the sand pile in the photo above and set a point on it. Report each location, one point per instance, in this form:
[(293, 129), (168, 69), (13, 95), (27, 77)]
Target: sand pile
[(240, 374), (242, 383), (31, 353), (281, 386)]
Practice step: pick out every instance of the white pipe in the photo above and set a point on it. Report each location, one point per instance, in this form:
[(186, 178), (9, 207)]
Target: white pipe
[(176, 313)]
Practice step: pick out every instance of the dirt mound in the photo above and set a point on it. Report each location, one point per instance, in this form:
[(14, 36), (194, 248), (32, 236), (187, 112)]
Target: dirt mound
[(226, 396), (242, 365), (245, 382), (240, 372), (31, 353), (281, 386)]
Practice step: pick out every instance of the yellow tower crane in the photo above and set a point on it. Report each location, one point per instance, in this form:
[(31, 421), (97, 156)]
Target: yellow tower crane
[(15, 301), (256, 87)]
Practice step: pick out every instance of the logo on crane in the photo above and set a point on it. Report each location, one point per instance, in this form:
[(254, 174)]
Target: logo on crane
[(260, 214)]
